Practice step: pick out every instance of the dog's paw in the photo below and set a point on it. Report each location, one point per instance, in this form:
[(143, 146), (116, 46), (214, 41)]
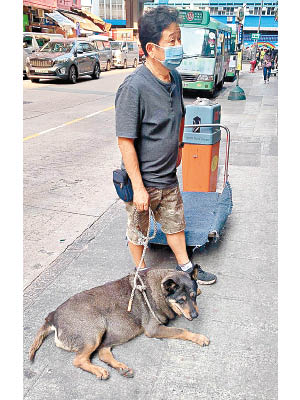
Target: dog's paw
[(202, 340), (102, 374), (127, 372)]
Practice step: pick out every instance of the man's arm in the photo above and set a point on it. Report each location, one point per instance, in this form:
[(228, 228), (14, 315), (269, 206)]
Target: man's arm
[(131, 163), (180, 140)]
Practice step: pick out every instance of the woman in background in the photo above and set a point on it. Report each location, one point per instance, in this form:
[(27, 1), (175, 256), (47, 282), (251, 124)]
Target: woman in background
[(267, 64)]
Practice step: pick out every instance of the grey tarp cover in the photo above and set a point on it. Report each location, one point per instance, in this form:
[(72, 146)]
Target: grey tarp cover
[(204, 213)]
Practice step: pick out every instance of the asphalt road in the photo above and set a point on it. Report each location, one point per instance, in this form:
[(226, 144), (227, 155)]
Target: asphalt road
[(70, 151)]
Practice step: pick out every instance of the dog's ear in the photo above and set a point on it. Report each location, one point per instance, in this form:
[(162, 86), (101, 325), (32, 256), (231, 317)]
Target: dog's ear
[(194, 273), (169, 286)]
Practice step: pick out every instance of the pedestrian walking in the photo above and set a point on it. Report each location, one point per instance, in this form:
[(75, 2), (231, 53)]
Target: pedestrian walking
[(262, 54), (267, 64), (149, 126)]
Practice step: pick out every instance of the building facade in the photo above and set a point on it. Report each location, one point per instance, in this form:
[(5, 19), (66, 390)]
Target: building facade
[(119, 13), (68, 4), (35, 18)]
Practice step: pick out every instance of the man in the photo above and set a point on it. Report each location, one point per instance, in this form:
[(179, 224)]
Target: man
[(149, 112)]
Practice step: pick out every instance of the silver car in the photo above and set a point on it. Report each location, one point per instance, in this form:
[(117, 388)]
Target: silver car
[(65, 59), (125, 53), (102, 44), (33, 41)]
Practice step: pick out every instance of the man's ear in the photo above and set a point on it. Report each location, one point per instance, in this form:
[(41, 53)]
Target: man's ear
[(169, 286), (194, 273), (149, 49)]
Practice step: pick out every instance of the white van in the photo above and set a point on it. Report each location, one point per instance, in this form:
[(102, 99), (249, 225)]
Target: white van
[(33, 41), (125, 53)]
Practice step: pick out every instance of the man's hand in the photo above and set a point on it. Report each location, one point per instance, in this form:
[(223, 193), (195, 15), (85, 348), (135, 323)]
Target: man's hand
[(141, 199)]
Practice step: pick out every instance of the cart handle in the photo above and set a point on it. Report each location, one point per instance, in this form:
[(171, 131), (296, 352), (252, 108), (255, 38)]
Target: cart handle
[(227, 143)]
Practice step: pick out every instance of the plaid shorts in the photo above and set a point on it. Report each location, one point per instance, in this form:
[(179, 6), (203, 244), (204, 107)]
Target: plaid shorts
[(167, 207)]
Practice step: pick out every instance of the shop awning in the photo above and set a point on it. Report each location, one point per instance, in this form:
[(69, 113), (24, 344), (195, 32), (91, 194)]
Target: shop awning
[(61, 20), (95, 19), (84, 22)]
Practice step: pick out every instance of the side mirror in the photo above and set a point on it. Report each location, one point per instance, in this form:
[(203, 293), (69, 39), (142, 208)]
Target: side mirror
[(24, 45), (79, 51)]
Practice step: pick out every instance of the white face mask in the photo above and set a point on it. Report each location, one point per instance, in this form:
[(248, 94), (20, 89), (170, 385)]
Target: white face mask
[(173, 56)]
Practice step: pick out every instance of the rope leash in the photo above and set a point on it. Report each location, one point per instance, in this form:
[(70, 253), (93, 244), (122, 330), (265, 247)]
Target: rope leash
[(141, 287)]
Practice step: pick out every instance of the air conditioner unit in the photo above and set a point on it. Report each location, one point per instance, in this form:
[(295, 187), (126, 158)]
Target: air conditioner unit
[(40, 13)]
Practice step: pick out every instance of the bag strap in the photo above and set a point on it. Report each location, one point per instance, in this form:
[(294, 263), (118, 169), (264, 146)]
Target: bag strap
[(178, 82)]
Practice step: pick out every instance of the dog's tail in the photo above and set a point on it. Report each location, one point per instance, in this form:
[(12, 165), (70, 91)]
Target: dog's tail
[(43, 332)]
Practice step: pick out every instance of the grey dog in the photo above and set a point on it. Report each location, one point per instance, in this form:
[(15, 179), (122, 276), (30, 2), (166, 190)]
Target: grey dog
[(97, 319)]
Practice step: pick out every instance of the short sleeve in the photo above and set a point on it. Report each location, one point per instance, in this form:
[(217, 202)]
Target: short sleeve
[(127, 106)]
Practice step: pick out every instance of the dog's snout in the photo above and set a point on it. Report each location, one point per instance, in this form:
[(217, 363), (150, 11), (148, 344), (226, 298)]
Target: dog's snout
[(194, 314)]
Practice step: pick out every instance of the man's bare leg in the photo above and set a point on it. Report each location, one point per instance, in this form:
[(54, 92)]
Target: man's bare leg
[(178, 245), (136, 252)]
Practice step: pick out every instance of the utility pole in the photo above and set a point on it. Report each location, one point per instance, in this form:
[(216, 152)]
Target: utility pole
[(258, 28)]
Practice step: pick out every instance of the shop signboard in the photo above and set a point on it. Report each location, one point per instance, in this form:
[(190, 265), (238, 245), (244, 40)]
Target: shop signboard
[(194, 17), (239, 33)]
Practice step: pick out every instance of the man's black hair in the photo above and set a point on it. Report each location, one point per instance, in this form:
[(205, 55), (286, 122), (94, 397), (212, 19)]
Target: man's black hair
[(153, 22)]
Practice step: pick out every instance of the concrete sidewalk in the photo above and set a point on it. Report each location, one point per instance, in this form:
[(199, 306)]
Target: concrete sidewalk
[(238, 313)]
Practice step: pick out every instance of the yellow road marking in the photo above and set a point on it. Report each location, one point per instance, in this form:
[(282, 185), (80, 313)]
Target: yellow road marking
[(67, 123)]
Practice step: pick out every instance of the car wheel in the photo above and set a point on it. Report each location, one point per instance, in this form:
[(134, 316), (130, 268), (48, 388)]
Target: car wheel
[(135, 63), (35, 80), (125, 64), (72, 74), (96, 73), (108, 65)]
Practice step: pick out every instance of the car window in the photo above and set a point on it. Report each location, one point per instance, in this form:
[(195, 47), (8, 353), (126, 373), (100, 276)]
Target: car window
[(116, 45), (57, 47), (42, 41), (80, 47), (99, 45), (91, 47), (27, 40), (86, 47), (130, 46)]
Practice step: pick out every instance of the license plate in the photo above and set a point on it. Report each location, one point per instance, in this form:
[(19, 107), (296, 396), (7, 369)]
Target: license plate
[(41, 71)]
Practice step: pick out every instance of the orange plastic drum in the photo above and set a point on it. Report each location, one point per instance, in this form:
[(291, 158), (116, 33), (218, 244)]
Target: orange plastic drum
[(200, 167)]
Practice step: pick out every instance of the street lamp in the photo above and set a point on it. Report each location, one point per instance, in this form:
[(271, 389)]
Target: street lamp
[(237, 93), (258, 28)]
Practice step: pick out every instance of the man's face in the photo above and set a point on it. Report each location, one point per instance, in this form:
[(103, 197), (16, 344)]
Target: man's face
[(171, 36)]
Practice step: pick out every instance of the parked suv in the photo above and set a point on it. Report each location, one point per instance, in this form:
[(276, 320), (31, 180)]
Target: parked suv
[(102, 44), (125, 54), (65, 59), (33, 41)]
